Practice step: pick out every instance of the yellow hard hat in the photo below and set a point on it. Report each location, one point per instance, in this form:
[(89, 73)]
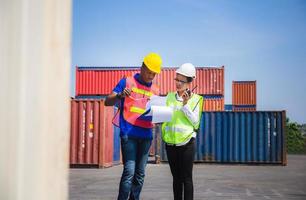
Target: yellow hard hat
[(153, 62)]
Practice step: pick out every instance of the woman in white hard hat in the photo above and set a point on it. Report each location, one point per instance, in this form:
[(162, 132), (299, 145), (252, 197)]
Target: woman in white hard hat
[(179, 134)]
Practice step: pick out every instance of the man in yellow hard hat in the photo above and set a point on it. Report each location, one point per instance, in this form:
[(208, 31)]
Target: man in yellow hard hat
[(132, 94)]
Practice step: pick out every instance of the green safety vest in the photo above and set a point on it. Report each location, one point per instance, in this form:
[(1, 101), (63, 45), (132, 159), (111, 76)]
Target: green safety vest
[(180, 129)]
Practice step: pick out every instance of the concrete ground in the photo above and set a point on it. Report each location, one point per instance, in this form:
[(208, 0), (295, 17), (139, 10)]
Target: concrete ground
[(211, 181)]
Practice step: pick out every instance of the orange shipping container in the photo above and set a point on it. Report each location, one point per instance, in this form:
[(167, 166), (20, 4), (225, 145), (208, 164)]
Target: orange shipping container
[(91, 138), (212, 103), (244, 93), (100, 80)]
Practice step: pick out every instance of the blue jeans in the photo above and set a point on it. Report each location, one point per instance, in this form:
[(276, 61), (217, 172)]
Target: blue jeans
[(135, 154)]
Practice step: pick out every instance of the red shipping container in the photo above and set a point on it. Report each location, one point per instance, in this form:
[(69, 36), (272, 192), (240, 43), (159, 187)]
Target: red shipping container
[(107, 136), (244, 93), (101, 80), (213, 103), (91, 138)]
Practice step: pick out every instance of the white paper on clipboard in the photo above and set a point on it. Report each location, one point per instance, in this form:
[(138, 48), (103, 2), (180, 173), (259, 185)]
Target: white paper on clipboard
[(157, 101), (158, 109)]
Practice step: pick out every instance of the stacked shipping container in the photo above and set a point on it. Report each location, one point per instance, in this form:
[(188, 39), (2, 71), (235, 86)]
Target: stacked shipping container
[(96, 82), (99, 81), (233, 137), (244, 95)]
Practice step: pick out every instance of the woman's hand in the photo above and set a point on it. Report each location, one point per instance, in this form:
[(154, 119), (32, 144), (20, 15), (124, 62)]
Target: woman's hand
[(186, 96)]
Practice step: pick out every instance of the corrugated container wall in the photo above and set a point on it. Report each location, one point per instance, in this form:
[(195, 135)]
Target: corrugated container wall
[(213, 103), (244, 93), (239, 108), (117, 157), (209, 80), (84, 137), (228, 107), (92, 134), (240, 137), (101, 81)]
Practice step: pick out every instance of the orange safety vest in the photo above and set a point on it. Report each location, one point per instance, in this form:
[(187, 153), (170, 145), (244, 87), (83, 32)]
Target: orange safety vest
[(135, 104)]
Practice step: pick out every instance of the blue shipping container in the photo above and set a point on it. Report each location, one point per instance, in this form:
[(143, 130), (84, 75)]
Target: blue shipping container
[(228, 107), (116, 153), (240, 137)]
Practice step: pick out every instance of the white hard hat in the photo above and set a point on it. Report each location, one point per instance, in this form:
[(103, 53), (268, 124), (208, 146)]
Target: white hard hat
[(187, 69)]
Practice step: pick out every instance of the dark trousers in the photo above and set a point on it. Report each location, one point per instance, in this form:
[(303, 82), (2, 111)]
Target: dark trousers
[(181, 159)]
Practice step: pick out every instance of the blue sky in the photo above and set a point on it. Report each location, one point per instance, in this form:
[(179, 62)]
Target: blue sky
[(262, 40)]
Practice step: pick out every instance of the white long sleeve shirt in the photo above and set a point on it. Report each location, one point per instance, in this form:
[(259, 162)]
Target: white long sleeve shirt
[(192, 115)]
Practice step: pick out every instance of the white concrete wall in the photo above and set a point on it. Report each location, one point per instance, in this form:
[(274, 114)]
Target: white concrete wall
[(35, 42)]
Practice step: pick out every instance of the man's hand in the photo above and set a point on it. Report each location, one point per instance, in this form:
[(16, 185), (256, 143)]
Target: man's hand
[(124, 93)]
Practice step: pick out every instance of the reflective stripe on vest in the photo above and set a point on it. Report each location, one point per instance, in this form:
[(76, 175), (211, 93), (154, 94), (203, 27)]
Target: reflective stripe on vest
[(142, 92), (135, 104), (137, 110), (180, 129)]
